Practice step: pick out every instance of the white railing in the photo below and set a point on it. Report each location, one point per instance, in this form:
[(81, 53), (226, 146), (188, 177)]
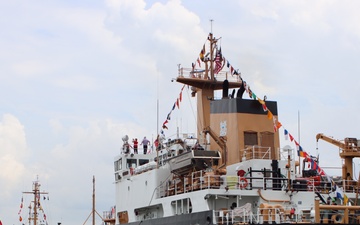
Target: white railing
[(283, 215), (201, 74), (200, 180), (255, 152)]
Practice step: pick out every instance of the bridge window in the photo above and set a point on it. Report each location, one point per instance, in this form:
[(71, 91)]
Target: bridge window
[(143, 161), (182, 206), (250, 138), (118, 165), (131, 163)]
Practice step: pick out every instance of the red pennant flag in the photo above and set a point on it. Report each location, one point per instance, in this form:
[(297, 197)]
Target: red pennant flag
[(180, 97), (164, 126), (291, 137), (264, 107), (177, 103), (297, 144)]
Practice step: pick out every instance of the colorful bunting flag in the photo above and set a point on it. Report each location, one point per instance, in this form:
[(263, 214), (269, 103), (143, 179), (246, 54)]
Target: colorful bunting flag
[(346, 199), (202, 53), (291, 137), (302, 154), (177, 103), (218, 62), (253, 96), (278, 125), (264, 108)]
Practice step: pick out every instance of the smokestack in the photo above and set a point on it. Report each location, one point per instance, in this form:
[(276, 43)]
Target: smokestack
[(225, 89)]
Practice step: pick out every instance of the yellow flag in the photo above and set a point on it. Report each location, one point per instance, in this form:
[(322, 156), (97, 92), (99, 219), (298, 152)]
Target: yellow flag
[(270, 115), (202, 53), (346, 199), (261, 101)]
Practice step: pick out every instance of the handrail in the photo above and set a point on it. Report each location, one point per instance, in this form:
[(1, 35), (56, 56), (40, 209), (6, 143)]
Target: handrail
[(255, 152), (270, 200)]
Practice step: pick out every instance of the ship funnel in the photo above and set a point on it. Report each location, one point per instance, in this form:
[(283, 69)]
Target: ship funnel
[(240, 91), (225, 89), (233, 93)]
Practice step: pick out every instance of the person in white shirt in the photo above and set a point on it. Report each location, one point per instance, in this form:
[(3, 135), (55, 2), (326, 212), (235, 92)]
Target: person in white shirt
[(145, 142)]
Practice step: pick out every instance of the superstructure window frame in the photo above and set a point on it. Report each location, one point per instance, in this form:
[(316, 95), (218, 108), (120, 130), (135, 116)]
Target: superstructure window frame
[(250, 138), (131, 163)]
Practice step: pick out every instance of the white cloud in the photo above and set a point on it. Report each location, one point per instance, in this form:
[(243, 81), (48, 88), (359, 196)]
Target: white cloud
[(13, 150), (32, 68)]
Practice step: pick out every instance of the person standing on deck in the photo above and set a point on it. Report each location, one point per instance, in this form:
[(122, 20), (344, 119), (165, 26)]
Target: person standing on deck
[(135, 144), (157, 143), (145, 142)]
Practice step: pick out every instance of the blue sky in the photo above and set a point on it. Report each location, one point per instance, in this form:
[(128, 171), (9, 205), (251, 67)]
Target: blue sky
[(76, 76)]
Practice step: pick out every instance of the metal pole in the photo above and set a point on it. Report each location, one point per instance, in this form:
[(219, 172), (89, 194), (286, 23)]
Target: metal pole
[(300, 170), (357, 191), (93, 202)]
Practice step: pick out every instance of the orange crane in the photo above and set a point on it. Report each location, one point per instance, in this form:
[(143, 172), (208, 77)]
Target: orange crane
[(348, 149)]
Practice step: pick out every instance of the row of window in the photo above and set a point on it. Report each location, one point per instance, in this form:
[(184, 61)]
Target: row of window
[(130, 163), (252, 138)]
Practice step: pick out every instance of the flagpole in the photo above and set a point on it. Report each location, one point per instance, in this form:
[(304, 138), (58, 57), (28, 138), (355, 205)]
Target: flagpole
[(300, 169), (157, 124)]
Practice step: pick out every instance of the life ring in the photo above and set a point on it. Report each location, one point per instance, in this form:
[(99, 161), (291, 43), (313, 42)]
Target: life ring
[(241, 173), (338, 218), (243, 183)]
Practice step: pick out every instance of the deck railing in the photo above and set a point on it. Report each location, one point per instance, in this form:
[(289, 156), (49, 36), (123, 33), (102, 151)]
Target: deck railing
[(277, 215), (255, 152), (208, 180), (201, 74)]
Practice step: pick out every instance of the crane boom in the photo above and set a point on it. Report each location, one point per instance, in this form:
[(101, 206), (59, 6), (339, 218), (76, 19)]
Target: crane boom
[(221, 141), (348, 149), (349, 144)]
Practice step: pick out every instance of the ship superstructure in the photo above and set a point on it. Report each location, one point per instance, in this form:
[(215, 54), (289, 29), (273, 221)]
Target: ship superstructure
[(234, 172)]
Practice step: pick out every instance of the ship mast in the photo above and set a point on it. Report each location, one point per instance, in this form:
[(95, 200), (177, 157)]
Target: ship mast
[(93, 210), (93, 202), (204, 86), (36, 193)]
